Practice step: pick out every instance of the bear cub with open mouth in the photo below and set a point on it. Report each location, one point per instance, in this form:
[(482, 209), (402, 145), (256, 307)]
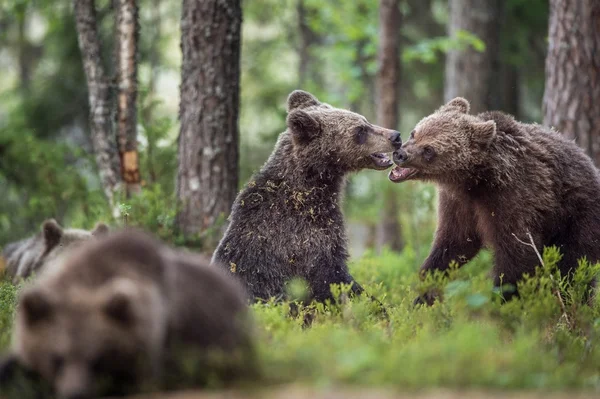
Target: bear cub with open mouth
[(287, 222), (499, 182)]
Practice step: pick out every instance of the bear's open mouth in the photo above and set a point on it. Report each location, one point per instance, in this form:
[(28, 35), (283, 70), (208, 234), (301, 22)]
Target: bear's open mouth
[(399, 174), (381, 160)]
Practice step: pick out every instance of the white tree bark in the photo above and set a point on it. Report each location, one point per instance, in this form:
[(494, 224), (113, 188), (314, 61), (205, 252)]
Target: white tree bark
[(103, 142), (127, 44)]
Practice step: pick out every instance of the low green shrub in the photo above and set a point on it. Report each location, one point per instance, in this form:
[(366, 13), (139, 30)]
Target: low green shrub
[(547, 339)]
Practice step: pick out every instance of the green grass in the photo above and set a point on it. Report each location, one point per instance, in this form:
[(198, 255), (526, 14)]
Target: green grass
[(470, 340)]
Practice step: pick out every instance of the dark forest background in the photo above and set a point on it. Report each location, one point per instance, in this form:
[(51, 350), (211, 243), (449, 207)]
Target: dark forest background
[(154, 113)]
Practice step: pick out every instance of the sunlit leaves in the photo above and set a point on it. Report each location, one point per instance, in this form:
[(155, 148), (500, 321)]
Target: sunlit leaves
[(429, 50)]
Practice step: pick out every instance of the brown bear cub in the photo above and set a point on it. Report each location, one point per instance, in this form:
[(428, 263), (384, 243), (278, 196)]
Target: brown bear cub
[(287, 222), (29, 256), (127, 314), (500, 180)]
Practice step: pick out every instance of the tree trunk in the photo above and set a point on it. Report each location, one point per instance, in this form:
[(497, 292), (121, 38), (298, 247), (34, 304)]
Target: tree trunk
[(363, 104), (388, 82), (103, 142), (207, 179), (307, 39), (154, 60), (470, 73), (154, 57), (127, 28), (505, 88), (23, 46), (305, 42), (572, 93), (512, 93)]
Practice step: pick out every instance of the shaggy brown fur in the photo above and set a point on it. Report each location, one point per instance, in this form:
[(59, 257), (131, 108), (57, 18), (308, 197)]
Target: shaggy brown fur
[(287, 222), (126, 313), (499, 178), (29, 256)]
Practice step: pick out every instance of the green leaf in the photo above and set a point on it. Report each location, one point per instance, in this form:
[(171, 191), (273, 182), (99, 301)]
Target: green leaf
[(477, 300)]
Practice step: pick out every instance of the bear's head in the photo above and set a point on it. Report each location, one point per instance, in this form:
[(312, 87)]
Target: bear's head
[(95, 324), (444, 147), (337, 139), (89, 343), (58, 241)]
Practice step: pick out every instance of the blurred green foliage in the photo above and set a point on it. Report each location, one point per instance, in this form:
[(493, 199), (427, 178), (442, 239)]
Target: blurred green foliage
[(46, 166), (8, 303)]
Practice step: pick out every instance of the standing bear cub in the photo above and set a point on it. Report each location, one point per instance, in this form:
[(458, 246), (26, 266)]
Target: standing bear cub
[(124, 314), (500, 180), (288, 221)]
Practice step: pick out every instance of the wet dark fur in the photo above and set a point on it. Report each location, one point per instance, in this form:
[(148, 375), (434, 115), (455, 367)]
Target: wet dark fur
[(285, 226), (288, 222), (529, 179)]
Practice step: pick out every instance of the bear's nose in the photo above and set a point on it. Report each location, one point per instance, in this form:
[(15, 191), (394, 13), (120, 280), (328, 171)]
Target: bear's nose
[(396, 139), (400, 156)]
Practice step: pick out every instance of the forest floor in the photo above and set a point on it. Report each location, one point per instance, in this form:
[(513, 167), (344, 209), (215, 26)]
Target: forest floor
[(299, 392), (470, 345)]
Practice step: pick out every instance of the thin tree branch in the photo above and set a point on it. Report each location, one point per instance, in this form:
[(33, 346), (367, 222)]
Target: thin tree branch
[(556, 290)]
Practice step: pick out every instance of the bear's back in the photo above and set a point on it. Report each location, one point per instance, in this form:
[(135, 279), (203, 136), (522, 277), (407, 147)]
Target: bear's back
[(22, 256), (206, 306), (33, 254), (91, 265)]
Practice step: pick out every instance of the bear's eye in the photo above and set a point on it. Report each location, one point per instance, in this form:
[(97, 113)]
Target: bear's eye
[(428, 153), (360, 134), (412, 134)]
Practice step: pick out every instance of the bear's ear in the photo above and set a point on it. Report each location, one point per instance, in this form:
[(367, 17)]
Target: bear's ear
[(52, 233), (483, 133), (299, 99), (35, 307), (302, 126), (457, 104), (100, 230), (118, 304)]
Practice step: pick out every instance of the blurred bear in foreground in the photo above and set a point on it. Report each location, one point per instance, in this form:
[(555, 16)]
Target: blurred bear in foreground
[(31, 255), (127, 314)]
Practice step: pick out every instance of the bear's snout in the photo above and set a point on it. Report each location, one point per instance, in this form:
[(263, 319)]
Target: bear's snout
[(396, 139), (400, 156)]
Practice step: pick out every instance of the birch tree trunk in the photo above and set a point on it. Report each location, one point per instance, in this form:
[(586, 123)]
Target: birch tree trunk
[(127, 28), (572, 95), (388, 83), (207, 179), (470, 73), (103, 141)]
